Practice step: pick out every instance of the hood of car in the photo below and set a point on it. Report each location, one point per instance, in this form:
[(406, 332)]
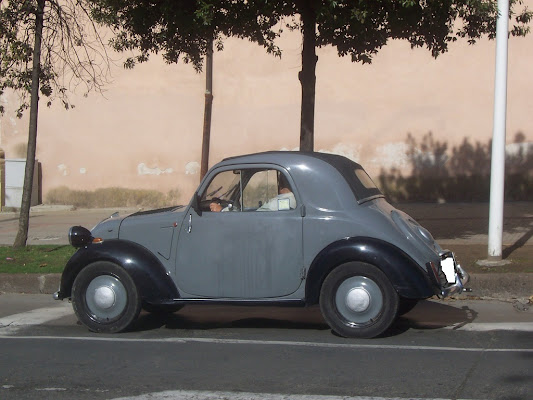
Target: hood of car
[(154, 229), (112, 227), (107, 228)]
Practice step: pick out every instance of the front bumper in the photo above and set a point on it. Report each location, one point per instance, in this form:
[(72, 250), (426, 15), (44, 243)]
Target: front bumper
[(449, 276)]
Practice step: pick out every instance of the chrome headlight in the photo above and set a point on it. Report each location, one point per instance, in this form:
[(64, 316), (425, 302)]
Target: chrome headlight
[(78, 236)]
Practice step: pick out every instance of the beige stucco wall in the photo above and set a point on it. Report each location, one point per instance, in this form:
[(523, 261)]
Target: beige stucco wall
[(145, 132)]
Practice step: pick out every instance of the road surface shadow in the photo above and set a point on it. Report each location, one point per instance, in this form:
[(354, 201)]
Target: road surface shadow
[(426, 315), (518, 244), (207, 317), (433, 315)]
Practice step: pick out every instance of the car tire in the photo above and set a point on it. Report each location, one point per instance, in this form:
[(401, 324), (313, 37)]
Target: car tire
[(105, 298), (162, 308), (357, 300), (406, 305)]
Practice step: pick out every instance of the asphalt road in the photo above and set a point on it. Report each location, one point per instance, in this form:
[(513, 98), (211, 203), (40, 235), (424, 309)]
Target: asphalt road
[(441, 349)]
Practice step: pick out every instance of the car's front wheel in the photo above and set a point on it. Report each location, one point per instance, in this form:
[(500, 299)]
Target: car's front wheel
[(357, 300), (105, 297)]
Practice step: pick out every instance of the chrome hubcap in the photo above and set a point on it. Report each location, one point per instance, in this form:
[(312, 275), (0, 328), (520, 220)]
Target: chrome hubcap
[(359, 300), (106, 297)]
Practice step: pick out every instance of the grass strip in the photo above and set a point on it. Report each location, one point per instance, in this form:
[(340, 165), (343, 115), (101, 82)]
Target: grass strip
[(45, 259)]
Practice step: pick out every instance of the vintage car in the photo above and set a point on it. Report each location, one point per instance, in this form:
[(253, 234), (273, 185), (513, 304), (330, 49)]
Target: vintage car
[(273, 228)]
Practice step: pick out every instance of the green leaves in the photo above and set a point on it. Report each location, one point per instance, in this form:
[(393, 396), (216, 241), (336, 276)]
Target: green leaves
[(358, 28), (184, 29)]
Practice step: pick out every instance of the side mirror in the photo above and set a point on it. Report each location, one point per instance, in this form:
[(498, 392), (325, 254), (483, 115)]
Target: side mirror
[(196, 204)]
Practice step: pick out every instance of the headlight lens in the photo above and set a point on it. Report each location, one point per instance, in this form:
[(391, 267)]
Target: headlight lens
[(78, 236)]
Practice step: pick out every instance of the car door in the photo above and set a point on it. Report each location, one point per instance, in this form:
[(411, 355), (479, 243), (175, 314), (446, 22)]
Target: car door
[(243, 251)]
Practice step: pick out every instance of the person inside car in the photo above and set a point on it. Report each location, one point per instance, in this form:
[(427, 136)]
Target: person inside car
[(285, 199), (216, 205)]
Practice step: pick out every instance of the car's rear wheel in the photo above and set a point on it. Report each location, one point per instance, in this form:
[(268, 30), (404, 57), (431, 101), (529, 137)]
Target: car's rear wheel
[(357, 300), (105, 297)]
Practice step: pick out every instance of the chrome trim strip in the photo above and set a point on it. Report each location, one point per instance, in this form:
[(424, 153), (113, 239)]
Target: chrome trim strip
[(236, 301)]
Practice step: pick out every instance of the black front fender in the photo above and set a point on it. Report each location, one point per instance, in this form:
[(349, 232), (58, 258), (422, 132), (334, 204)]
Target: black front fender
[(149, 275), (407, 277)]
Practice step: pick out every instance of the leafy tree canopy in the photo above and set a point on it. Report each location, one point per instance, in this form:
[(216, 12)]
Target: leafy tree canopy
[(358, 28), (185, 28)]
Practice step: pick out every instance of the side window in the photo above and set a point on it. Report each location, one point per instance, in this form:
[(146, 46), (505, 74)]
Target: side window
[(268, 190), (262, 186), (223, 192)]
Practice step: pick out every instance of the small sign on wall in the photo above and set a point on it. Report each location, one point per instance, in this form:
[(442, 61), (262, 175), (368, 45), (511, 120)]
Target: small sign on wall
[(14, 182)]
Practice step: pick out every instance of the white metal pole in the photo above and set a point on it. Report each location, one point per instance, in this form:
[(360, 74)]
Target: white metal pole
[(497, 174)]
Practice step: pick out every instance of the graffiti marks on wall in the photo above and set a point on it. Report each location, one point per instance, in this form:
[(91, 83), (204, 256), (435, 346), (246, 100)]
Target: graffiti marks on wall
[(143, 169), (192, 168)]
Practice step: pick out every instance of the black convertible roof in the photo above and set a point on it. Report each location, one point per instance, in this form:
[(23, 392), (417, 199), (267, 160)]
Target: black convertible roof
[(346, 167)]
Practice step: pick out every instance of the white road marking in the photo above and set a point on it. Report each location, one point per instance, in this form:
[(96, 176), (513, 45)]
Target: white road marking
[(348, 346), (495, 326), (207, 395), (39, 316), (10, 325), (214, 395)]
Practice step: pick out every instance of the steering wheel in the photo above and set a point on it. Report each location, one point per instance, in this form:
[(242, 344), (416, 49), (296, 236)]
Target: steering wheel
[(204, 204)]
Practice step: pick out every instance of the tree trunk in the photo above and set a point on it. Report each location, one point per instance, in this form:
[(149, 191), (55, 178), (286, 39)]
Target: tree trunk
[(24, 217), (206, 136), (307, 76)]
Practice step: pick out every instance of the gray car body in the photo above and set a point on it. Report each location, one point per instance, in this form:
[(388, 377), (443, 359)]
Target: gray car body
[(181, 254)]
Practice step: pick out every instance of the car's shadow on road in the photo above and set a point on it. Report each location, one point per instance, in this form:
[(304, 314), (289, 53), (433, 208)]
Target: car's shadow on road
[(202, 317), (426, 315)]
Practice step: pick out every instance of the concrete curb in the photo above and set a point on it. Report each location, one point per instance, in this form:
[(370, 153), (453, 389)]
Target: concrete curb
[(29, 283), (502, 286)]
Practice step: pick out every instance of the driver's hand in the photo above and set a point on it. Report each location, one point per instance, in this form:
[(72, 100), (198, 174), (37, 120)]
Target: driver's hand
[(215, 207)]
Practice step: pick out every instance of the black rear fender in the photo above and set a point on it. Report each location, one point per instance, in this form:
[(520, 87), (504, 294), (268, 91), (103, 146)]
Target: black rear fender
[(407, 277), (149, 275)]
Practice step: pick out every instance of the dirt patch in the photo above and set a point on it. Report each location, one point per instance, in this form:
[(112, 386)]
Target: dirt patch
[(521, 259)]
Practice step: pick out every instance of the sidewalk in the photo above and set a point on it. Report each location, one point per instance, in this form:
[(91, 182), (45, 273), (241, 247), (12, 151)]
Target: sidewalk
[(50, 224), (460, 227)]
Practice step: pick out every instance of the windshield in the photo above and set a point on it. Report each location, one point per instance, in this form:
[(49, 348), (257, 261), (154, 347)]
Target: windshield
[(224, 186)]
